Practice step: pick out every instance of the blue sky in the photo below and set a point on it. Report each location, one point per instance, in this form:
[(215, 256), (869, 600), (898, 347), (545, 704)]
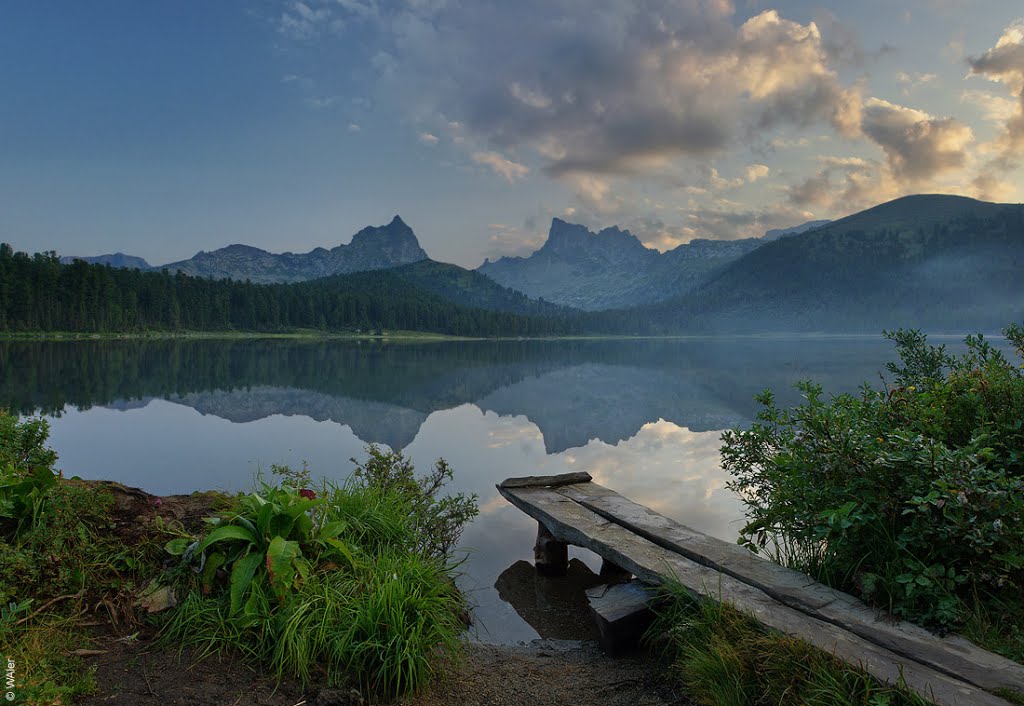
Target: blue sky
[(162, 128)]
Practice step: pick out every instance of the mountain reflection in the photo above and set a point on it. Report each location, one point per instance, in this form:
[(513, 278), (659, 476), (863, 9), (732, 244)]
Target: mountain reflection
[(574, 391)]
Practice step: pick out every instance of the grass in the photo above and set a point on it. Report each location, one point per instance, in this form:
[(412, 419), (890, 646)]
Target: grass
[(351, 593), (725, 658), (53, 574)]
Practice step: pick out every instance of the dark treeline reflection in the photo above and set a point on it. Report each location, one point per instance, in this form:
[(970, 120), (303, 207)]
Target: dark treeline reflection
[(574, 390)]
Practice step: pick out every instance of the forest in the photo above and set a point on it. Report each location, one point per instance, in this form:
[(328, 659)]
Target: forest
[(38, 293)]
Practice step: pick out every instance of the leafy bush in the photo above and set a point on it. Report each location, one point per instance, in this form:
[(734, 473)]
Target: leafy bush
[(26, 469), (342, 579), (911, 496)]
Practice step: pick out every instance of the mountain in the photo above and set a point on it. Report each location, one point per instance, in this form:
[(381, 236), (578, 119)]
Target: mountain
[(472, 289), (935, 262), (776, 233), (118, 259), (610, 269), (372, 248)]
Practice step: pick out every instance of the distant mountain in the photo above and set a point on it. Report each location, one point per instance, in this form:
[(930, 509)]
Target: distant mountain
[(776, 233), (940, 263), (372, 248), (611, 268), (472, 289), (118, 259)]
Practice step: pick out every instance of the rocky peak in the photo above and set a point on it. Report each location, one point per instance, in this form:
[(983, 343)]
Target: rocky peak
[(573, 242), (395, 234)]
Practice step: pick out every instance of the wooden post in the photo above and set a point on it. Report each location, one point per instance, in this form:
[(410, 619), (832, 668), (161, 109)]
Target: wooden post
[(550, 556)]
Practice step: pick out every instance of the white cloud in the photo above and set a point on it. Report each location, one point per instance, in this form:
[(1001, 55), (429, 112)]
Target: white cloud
[(757, 171), (1004, 63), (428, 138), (917, 145), (501, 166)]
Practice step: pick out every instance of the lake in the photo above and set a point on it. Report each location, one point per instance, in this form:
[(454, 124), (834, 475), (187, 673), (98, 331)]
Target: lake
[(644, 417)]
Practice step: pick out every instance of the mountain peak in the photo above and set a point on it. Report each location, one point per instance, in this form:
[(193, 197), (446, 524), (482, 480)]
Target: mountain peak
[(605, 242), (372, 248)]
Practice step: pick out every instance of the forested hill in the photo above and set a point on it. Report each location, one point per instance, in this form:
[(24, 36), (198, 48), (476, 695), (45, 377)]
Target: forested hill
[(940, 263), (38, 293), (470, 288)]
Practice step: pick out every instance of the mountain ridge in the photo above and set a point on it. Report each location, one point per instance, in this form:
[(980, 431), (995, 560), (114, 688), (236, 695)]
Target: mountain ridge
[(371, 248)]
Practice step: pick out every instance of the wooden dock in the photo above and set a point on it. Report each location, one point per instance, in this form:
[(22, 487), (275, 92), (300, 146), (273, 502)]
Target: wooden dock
[(572, 509)]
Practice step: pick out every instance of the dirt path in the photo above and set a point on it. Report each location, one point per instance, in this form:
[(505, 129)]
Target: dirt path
[(550, 673), (546, 673)]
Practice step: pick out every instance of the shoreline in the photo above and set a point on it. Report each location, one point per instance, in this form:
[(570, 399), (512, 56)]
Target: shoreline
[(431, 337)]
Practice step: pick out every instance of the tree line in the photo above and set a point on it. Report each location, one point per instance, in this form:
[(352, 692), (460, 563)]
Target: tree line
[(39, 293)]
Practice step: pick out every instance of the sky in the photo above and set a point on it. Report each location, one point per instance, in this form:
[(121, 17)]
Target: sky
[(163, 128)]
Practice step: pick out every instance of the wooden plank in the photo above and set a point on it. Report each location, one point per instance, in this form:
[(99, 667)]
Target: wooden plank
[(952, 654), (570, 522), (546, 481)]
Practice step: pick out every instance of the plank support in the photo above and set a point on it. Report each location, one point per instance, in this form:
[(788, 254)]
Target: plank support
[(550, 556)]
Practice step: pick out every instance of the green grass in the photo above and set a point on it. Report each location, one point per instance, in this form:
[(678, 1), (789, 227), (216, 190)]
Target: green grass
[(725, 658), (357, 589), (53, 574)]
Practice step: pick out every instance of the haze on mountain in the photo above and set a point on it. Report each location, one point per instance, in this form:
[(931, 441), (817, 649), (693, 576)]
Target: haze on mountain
[(935, 262), (611, 269), (938, 262)]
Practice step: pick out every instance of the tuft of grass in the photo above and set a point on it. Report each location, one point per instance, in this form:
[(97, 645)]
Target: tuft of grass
[(725, 658)]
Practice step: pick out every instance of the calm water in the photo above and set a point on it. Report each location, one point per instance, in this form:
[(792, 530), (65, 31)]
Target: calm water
[(643, 417)]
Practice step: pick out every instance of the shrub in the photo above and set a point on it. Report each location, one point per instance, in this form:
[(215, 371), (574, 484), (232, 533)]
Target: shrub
[(344, 579), (911, 496), (26, 470)]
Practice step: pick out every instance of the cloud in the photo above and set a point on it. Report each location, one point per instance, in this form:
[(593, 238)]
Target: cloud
[(354, 127), (500, 165), (303, 22), (428, 138), (1004, 63), (505, 239), (994, 108), (846, 184), (757, 171), (627, 92), (917, 145)]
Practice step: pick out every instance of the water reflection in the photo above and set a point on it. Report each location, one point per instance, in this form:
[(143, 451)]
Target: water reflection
[(643, 417)]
